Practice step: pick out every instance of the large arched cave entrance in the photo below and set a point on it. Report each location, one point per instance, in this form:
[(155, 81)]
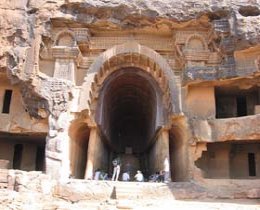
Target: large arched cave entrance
[(129, 115)]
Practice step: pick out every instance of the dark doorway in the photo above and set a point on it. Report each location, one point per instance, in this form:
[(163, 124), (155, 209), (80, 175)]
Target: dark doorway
[(129, 111), (40, 154), (251, 164), (7, 101), (241, 106), (17, 160)]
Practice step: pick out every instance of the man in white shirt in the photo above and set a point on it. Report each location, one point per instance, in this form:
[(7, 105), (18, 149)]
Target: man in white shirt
[(126, 176), (139, 176)]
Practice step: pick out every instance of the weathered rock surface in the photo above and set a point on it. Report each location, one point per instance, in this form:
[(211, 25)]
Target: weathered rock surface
[(26, 23)]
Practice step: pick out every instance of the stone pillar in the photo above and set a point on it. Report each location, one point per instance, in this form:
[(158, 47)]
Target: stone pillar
[(97, 153), (165, 152), (160, 153), (92, 148)]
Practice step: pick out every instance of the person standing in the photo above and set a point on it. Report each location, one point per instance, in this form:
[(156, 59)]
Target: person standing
[(166, 170), (116, 169)]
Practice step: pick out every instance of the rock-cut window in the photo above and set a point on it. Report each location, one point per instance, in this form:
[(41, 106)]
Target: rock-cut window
[(7, 101)]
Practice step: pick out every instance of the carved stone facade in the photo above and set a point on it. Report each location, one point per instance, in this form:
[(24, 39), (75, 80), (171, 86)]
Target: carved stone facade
[(92, 90)]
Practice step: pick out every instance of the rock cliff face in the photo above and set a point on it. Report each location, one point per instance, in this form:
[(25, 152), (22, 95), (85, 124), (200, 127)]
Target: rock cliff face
[(26, 23)]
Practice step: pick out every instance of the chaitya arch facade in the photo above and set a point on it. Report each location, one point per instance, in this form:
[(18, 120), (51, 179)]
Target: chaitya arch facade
[(136, 78)]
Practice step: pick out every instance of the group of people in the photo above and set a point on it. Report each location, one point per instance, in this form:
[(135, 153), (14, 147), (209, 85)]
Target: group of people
[(100, 175), (158, 177), (139, 177), (126, 175), (162, 176)]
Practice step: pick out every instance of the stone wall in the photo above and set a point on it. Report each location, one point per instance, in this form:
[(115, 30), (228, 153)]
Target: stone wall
[(200, 102)]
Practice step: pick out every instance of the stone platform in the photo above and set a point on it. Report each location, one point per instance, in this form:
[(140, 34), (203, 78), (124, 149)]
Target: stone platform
[(34, 190)]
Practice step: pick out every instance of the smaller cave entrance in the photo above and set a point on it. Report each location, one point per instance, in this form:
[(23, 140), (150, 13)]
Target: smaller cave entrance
[(235, 160), (22, 152), (79, 138), (234, 102)]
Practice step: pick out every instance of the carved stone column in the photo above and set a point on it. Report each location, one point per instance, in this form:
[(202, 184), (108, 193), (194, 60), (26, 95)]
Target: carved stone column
[(92, 150), (165, 152)]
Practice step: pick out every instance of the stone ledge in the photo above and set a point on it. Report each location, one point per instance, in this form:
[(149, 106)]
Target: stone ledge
[(228, 129), (240, 128)]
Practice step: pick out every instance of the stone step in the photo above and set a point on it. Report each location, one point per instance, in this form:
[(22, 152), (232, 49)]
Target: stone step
[(126, 190)]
